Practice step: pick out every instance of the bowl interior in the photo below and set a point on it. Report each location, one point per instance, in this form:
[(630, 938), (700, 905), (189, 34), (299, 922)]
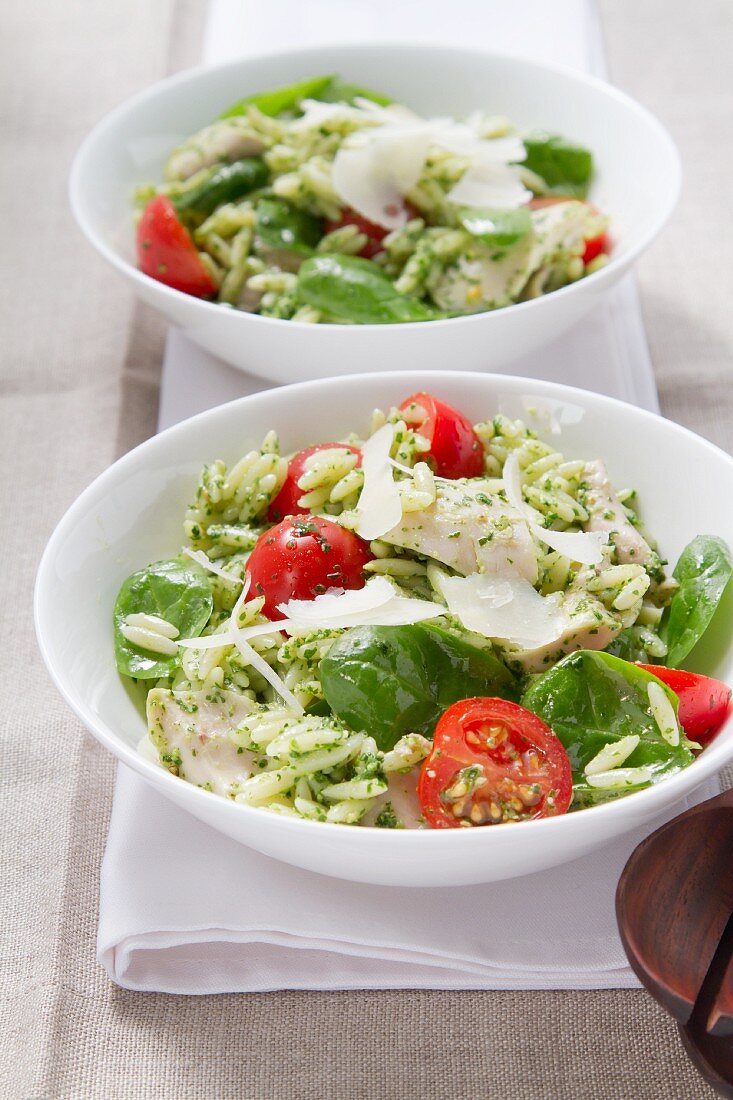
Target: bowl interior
[(637, 171), (133, 513)]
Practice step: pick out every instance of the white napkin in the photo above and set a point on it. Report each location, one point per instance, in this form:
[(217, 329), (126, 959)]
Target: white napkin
[(185, 910)]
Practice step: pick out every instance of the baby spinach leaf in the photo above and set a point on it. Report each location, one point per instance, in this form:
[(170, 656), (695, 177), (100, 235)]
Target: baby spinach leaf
[(281, 228), (278, 100), (392, 680), (496, 228), (357, 291), (703, 571), (565, 168), (329, 89), (591, 699), (225, 183), (340, 91), (628, 646), (176, 590)]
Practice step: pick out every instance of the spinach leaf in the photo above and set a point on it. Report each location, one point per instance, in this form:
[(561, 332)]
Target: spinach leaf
[(225, 183), (176, 590), (703, 571), (565, 168), (281, 228), (590, 699), (278, 100), (497, 228), (351, 289), (340, 91), (393, 680), (329, 89), (628, 646)]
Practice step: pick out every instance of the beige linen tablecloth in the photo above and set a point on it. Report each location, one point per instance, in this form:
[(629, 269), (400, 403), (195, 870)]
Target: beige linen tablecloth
[(80, 365)]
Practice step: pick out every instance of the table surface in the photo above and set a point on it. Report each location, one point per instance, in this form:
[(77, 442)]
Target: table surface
[(79, 384)]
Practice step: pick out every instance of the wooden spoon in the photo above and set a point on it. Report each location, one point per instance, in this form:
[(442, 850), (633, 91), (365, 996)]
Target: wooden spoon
[(674, 906)]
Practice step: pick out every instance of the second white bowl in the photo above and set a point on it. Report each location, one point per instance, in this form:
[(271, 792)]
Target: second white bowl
[(636, 184)]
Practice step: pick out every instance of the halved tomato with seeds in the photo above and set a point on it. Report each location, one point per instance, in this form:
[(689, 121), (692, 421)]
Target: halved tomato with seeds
[(493, 762)]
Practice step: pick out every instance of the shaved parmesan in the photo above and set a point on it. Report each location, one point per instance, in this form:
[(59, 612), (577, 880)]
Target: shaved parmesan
[(256, 661), (377, 604), (214, 641), (508, 609), (380, 506), (380, 163), (489, 184), (205, 562), (580, 546), (373, 171), (376, 592)]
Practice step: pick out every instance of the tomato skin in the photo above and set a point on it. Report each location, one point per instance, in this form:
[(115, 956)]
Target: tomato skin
[(375, 233), (286, 501), (302, 557), (166, 252), (455, 449), (506, 764), (704, 702), (594, 246)]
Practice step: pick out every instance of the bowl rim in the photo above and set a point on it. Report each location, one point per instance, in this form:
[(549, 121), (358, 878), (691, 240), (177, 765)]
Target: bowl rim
[(615, 265), (662, 794)]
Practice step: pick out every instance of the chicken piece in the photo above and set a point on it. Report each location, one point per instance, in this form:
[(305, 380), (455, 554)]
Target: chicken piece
[(586, 624), (607, 514), (484, 279), (470, 529), (487, 278), (559, 230), (229, 139), (190, 731), (401, 797)]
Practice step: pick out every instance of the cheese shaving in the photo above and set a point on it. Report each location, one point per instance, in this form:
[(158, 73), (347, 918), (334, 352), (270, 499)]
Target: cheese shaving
[(580, 546), (489, 184), (377, 604), (373, 171), (380, 506), (205, 562), (383, 160), (255, 660), (507, 609)]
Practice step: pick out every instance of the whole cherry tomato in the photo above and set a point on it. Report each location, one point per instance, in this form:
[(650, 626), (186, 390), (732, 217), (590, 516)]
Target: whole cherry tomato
[(455, 449), (286, 501), (302, 557)]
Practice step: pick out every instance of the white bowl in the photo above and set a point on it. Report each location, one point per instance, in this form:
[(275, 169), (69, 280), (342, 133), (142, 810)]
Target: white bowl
[(132, 514), (637, 183)]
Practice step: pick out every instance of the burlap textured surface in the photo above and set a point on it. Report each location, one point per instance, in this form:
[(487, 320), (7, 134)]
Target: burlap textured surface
[(79, 378)]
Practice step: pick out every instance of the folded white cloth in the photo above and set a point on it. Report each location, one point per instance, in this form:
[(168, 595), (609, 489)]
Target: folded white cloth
[(186, 910)]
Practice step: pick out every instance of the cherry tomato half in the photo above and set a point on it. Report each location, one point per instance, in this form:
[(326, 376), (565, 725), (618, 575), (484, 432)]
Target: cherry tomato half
[(286, 501), (455, 449), (704, 702), (375, 233), (492, 762), (302, 557), (166, 252), (595, 245)]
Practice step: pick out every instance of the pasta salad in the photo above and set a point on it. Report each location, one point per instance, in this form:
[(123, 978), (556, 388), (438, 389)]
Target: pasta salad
[(325, 202), (432, 624)]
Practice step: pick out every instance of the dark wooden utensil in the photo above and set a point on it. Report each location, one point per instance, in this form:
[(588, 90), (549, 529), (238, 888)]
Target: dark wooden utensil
[(674, 906)]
